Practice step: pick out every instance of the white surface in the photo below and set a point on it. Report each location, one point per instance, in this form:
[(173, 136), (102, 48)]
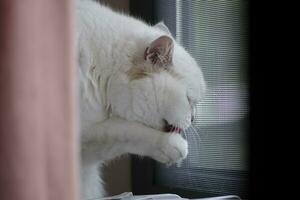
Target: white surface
[(130, 196)]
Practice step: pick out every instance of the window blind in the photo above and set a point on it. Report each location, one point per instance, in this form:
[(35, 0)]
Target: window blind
[(215, 33)]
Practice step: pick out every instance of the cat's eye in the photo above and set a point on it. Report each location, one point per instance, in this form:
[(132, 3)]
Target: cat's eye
[(191, 102), (189, 99)]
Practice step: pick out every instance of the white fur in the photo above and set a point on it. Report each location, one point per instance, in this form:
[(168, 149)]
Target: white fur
[(119, 115)]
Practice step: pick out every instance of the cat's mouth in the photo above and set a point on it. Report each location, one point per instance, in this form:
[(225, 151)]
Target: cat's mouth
[(172, 128)]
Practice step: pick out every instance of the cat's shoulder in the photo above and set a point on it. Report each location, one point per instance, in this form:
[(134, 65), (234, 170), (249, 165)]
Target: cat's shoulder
[(89, 7), (89, 10)]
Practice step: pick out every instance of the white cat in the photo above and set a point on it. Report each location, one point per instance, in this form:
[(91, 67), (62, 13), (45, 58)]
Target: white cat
[(137, 91)]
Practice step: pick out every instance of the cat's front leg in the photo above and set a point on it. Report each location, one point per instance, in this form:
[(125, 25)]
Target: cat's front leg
[(117, 136), (171, 148)]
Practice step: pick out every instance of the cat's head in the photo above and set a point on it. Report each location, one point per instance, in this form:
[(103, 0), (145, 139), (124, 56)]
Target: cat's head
[(161, 87)]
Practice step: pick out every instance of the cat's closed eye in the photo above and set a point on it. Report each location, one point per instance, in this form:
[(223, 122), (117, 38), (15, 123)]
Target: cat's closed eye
[(191, 101)]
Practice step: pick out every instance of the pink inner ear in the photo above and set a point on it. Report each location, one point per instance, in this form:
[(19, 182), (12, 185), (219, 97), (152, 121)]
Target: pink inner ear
[(160, 51), (146, 53), (162, 43)]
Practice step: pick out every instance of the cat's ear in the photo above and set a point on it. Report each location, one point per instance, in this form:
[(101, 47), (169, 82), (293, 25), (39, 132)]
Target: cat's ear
[(160, 52), (161, 25)]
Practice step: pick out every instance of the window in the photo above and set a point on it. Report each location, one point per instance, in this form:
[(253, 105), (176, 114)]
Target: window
[(215, 33)]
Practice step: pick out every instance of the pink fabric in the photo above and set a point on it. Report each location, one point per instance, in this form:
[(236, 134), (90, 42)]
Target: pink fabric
[(38, 159)]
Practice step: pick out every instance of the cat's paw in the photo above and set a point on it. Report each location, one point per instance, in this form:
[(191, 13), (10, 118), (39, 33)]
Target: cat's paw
[(171, 148)]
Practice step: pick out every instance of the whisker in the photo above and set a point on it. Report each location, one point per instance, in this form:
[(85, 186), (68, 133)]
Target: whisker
[(196, 132), (185, 135), (172, 129), (193, 139), (197, 135)]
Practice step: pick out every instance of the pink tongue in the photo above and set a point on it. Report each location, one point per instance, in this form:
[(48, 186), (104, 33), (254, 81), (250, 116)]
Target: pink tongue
[(173, 129), (176, 129)]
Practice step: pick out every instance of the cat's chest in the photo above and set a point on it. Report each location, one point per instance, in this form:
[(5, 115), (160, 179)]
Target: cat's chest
[(91, 103), (90, 114)]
